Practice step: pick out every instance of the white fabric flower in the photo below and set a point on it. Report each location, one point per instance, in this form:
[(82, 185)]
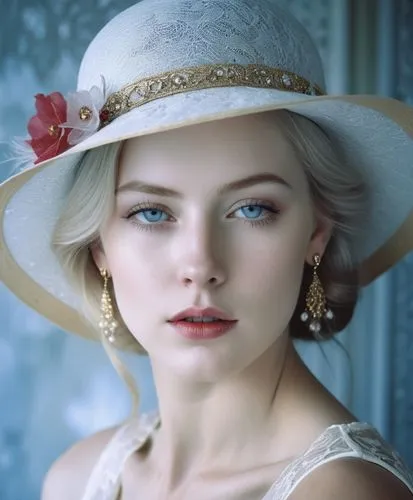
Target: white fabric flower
[(83, 110)]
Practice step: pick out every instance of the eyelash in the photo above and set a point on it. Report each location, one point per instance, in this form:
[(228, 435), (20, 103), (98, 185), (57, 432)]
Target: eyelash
[(273, 213)]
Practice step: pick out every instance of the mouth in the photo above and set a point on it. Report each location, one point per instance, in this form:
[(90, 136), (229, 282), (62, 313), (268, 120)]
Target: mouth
[(202, 328)]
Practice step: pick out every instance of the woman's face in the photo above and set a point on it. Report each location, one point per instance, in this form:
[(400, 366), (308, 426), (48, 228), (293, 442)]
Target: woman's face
[(217, 214)]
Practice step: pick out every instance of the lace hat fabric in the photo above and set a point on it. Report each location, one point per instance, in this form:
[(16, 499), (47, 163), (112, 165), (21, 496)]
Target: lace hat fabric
[(164, 64)]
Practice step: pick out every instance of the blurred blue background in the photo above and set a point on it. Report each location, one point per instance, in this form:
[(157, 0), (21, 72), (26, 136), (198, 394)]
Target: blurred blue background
[(55, 388)]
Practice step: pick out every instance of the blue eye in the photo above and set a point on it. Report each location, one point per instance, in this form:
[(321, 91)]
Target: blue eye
[(252, 211), (152, 215)]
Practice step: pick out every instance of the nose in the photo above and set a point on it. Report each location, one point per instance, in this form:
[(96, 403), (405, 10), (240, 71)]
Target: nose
[(199, 265), (201, 276)]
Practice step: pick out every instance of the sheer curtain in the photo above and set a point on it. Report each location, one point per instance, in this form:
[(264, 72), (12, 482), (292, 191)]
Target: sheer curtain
[(56, 388)]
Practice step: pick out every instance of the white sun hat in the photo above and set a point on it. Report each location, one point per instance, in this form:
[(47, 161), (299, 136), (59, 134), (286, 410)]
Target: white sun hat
[(164, 64)]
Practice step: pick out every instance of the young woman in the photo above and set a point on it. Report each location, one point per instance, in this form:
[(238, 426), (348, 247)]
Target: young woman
[(201, 200)]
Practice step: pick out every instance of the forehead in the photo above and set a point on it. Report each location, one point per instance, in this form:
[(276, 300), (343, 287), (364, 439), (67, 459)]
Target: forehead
[(213, 151)]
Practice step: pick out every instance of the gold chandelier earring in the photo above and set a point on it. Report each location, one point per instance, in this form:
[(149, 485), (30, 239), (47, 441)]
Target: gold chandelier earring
[(315, 302), (107, 323)]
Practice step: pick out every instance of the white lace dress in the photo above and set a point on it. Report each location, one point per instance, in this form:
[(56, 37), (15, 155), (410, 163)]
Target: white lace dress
[(356, 439)]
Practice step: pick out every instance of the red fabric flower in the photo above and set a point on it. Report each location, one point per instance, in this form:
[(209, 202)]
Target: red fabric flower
[(47, 138)]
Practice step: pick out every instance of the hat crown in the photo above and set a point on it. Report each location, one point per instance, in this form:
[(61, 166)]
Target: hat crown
[(155, 36)]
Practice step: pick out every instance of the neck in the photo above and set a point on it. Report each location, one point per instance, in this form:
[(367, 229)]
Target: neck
[(209, 426)]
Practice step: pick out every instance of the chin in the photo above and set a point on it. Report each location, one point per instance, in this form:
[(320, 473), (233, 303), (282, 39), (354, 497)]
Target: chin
[(199, 364)]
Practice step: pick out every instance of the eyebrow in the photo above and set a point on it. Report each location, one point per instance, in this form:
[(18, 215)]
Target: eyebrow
[(247, 182)]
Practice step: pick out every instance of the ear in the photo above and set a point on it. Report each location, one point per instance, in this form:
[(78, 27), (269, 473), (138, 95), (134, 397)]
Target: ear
[(98, 255), (319, 239)]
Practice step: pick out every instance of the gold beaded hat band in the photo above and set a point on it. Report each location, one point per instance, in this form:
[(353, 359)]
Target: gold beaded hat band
[(202, 77), (165, 64)]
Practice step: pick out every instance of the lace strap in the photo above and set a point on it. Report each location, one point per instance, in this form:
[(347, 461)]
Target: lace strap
[(369, 445), (356, 439), (104, 481)]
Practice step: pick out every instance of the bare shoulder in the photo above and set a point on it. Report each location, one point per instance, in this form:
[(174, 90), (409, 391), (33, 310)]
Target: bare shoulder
[(351, 478), (68, 475)]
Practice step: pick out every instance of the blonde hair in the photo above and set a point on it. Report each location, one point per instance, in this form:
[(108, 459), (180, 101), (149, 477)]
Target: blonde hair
[(338, 192)]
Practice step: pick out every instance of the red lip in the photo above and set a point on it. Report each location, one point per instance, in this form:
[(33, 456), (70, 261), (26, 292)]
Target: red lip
[(198, 312), (203, 331)]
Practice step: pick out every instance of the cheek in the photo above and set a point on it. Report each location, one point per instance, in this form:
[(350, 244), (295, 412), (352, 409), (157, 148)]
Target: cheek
[(275, 257), (136, 274), (275, 268), (271, 270), (275, 282), (132, 255)]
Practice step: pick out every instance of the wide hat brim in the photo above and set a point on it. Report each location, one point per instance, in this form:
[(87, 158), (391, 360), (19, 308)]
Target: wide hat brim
[(374, 133)]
